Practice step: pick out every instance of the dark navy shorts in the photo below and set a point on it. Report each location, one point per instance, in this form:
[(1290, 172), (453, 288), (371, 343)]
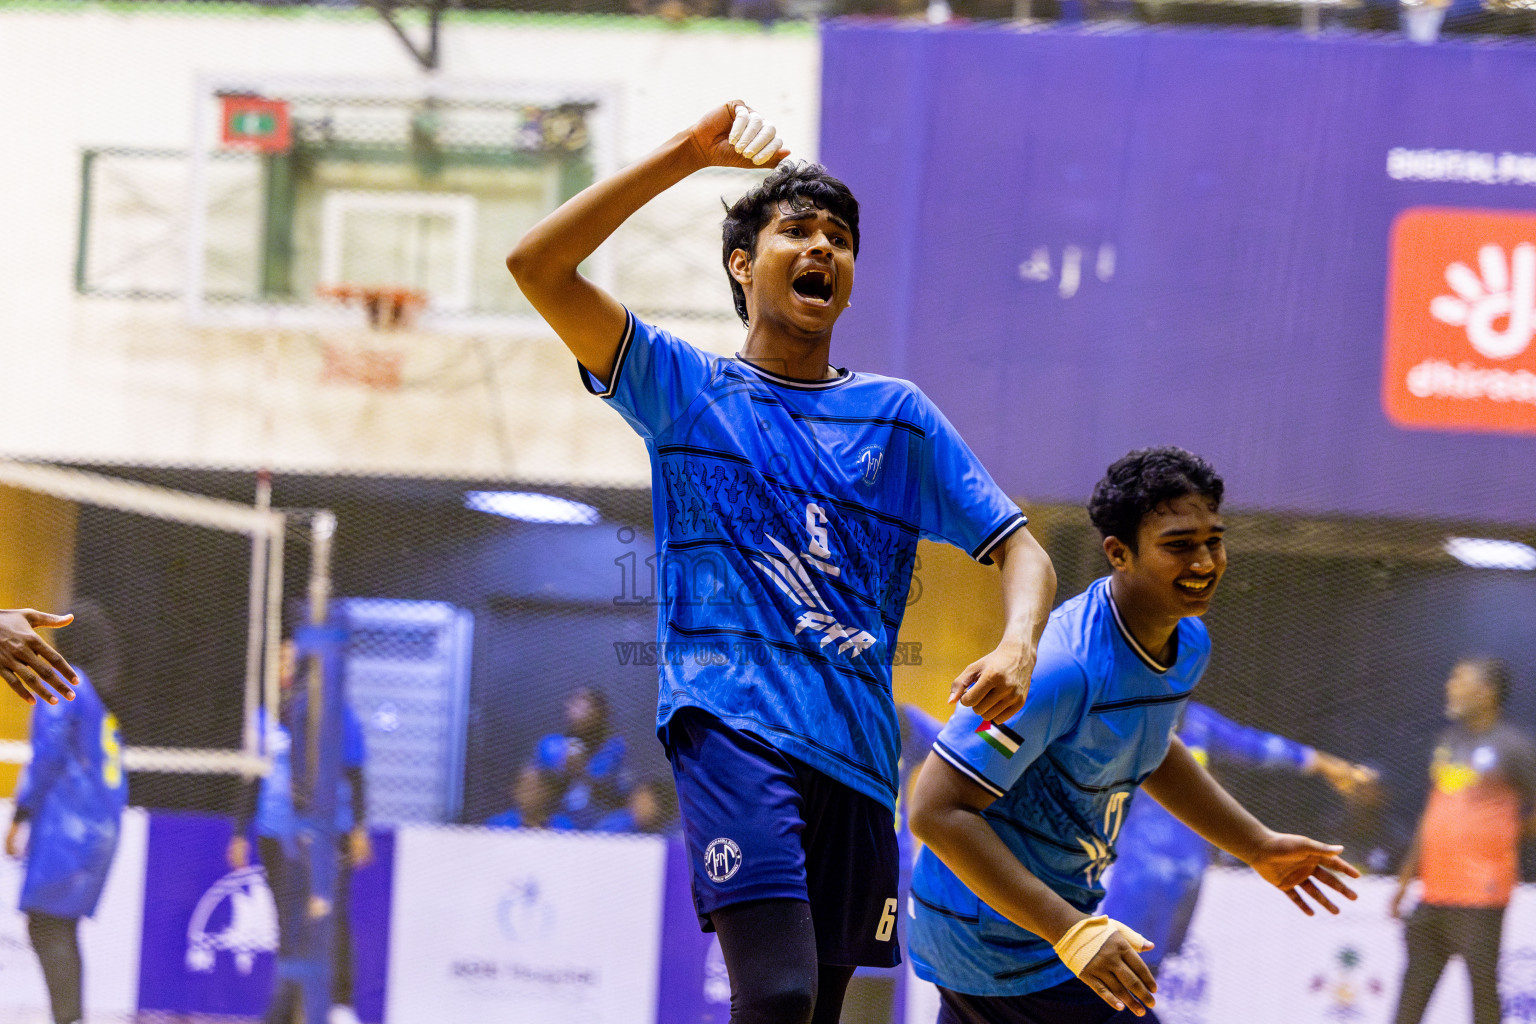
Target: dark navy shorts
[(761, 825), (1071, 1002)]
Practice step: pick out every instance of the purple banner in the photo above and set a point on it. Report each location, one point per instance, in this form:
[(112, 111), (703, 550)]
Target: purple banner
[(210, 933), (693, 987), (1083, 242)]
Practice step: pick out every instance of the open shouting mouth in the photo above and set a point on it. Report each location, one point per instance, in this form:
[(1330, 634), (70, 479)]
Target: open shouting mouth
[(815, 285)]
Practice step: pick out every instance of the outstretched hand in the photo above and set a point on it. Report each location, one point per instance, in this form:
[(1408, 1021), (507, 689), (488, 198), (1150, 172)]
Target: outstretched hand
[(1118, 975), (734, 135), (1349, 780), (1296, 864), (995, 686), (27, 663)]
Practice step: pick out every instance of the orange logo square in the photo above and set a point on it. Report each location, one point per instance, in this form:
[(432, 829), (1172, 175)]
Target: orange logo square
[(1461, 321)]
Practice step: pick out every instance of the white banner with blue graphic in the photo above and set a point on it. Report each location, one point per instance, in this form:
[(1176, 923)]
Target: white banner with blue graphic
[(493, 925), (109, 942), (1252, 956)]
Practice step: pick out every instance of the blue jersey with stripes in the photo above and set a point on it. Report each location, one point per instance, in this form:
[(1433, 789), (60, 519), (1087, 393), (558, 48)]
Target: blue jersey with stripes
[(1161, 858), (787, 517), (1099, 718), (73, 793)]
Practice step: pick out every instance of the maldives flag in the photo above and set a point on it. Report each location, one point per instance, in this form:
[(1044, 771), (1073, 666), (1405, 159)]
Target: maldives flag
[(1001, 738), (255, 122)]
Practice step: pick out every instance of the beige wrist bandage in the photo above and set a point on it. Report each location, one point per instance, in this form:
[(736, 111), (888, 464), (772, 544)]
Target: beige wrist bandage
[(1084, 940)]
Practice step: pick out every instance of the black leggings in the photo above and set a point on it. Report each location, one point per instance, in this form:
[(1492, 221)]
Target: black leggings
[(770, 954), (288, 878), (1434, 934), (57, 942)]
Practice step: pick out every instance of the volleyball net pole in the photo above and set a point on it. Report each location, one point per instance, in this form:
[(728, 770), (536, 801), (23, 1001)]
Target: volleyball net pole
[(263, 525)]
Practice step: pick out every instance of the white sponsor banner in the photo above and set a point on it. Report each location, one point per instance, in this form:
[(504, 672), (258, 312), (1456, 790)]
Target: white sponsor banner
[(520, 926), (109, 942), (1253, 957)]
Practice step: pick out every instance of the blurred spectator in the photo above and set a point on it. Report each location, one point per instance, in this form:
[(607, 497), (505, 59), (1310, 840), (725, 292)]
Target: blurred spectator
[(590, 761), (650, 808), (1466, 851), (534, 794)]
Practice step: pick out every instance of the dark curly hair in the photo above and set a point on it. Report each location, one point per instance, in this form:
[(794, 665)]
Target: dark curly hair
[(801, 186), (1139, 482)]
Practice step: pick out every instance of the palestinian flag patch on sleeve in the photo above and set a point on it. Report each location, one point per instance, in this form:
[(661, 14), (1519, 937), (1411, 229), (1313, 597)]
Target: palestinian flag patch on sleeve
[(1001, 738)]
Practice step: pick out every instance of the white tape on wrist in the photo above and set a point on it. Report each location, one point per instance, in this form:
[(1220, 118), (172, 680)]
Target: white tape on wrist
[(754, 137), (1084, 940)]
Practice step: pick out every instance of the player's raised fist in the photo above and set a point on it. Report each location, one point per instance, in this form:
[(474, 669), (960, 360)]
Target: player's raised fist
[(735, 135)]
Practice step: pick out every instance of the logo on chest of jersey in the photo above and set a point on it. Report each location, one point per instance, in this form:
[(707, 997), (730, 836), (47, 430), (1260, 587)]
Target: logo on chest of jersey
[(869, 459)]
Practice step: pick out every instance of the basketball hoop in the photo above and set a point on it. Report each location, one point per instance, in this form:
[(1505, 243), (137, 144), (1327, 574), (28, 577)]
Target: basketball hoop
[(387, 307)]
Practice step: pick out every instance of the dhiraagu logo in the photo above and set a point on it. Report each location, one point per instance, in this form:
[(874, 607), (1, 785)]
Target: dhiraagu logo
[(1495, 304), (1461, 319)]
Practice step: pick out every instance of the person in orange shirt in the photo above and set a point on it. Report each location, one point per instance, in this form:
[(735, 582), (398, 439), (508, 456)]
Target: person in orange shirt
[(1467, 848)]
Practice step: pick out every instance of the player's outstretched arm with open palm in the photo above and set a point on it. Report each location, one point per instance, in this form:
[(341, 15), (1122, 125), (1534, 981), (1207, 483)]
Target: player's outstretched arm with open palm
[(995, 686), (27, 663), (545, 261), (1293, 864)]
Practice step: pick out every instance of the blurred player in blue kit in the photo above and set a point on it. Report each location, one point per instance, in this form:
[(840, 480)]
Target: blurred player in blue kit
[(788, 498), (280, 826), (71, 800), (1160, 861), (1020, 816)]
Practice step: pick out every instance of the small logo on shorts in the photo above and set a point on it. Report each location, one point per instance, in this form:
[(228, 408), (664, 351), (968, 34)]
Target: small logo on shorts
[(722, 858)]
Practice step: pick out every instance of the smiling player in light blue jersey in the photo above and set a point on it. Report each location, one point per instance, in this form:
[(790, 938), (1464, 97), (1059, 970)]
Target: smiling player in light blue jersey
[(1021, 816), (788, 498)]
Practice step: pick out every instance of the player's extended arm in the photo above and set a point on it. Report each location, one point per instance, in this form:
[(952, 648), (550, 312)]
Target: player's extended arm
[(1288, 862), (996, 685), (1226, 740), (27, 663), (946, 816), (545, 262)]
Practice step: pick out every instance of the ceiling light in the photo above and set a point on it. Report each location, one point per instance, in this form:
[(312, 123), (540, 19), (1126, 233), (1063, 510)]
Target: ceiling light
[(530, 507), (1480, 553)]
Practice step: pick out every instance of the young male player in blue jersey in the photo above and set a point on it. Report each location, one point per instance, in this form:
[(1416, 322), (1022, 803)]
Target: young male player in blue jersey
[(1160, 863), (788, 498), (1020, 817), (71, 799), (281, 829)]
